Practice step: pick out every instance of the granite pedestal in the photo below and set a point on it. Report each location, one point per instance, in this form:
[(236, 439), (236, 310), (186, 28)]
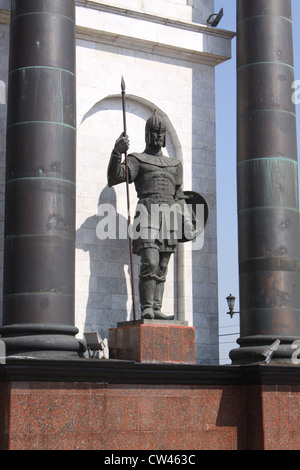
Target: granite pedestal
[(92, 404), (153, 341)]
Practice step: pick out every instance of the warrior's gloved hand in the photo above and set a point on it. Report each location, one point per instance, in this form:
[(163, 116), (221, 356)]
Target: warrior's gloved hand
[(190, 232), (121, 145)]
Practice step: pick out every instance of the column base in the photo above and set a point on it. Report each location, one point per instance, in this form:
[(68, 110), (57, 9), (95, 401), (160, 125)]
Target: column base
[(41, 341), (252, 348), (152, 341)]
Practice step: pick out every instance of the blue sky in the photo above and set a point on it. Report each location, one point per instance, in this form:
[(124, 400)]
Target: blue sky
[(226, 174)]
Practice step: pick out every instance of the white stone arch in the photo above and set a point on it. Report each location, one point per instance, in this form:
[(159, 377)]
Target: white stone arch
[(142, 107)]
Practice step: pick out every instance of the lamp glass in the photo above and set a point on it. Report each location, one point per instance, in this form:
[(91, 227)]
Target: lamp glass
[(230, 301)]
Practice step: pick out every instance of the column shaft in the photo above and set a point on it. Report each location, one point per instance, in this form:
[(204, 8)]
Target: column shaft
[(39, 262), (267, 174)]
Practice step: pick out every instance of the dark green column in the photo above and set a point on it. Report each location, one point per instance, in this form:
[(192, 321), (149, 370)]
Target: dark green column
[(39, 263), (267, 174)]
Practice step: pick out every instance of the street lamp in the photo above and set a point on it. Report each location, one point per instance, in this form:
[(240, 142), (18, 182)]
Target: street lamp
[(230, 301)]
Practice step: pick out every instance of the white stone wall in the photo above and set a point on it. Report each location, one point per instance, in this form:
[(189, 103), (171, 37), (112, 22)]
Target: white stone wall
[(167, 57)]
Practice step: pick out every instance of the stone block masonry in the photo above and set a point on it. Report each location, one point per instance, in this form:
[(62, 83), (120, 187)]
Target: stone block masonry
[(153, 343)]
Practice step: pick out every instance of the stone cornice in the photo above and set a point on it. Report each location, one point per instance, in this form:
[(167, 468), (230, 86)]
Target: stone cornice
[(189, 26), (136, 44), (129, 372), (152, 34)]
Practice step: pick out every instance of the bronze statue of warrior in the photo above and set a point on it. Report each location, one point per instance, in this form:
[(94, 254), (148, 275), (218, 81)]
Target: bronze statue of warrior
[(158, 183)]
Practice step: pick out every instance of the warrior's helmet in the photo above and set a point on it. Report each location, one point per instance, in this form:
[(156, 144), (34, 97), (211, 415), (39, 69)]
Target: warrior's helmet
[(155, 122)]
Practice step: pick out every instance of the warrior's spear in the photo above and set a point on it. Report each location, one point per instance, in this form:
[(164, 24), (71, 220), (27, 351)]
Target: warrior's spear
[(128, 201)]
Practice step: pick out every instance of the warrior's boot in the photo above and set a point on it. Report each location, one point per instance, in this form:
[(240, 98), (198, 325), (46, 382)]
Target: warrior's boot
[(147, 290), (158, 296)]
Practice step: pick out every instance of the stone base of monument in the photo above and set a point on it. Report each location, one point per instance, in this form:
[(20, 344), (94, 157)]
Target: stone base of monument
[(153, 341), (110, 405)]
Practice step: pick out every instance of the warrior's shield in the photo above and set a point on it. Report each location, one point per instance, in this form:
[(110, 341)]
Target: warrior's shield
[(198, 212)]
